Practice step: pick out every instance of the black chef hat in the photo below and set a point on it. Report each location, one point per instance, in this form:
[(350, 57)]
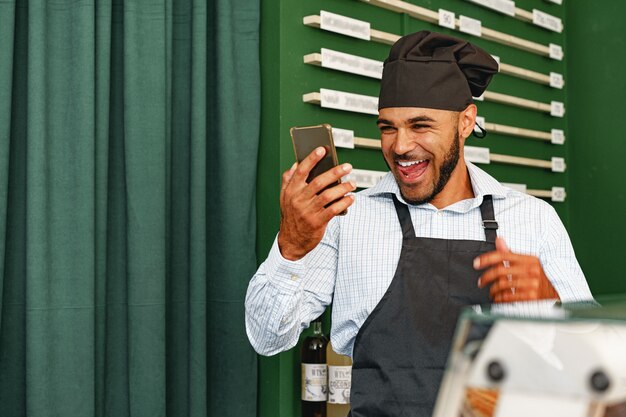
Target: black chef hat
[(427, 69)]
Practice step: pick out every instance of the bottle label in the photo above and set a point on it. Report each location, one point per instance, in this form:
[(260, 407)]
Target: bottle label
[(339, 382), (314, 382)]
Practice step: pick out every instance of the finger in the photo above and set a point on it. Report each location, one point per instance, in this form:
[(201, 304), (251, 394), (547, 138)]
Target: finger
[(501, 245), (335, 193), (494, 258), (500, 271), (307, 164), (514, 285), (337, 207), (319, 183), (510, 297), (488, 259)]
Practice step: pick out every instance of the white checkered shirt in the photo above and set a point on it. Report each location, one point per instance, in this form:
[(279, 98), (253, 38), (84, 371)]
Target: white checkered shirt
[(357, 258)]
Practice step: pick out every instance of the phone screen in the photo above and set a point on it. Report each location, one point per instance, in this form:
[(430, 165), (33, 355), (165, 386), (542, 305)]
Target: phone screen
[(306, 139)]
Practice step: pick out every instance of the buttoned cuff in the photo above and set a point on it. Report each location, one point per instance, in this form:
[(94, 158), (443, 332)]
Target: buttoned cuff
[(285, 274)]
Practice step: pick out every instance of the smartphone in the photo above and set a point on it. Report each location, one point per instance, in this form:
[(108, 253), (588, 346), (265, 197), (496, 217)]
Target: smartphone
[(306, 139)]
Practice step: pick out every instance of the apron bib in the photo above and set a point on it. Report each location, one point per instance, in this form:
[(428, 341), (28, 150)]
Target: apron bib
[(401, 350)]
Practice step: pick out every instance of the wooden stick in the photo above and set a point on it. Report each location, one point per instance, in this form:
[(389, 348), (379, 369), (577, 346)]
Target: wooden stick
[(313, 59), (312, 98), (431, 16), (390, 38), (366, 143), (520, 161), (412, 10), (518, 131), (540, 193), (383, 37), (316, 98), (524, 74), (524, 15), (517, 101), (314, 21), (490, 96), (493, 157)]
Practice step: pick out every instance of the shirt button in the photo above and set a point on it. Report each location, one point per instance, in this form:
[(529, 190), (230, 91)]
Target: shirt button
[(295, 277), (439, 212)]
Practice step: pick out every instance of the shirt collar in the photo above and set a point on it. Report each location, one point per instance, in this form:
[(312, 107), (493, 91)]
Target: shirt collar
[(482, 183)]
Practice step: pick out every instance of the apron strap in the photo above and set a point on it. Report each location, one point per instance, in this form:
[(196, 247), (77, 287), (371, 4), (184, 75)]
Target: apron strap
[(489, 219), (408, 231), (486, 211)]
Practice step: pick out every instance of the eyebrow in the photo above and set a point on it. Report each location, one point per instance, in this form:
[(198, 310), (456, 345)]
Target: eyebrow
[(420, 119), (412, 120)]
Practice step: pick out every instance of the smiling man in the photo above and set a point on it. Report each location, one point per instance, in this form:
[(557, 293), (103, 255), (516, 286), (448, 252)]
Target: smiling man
[(436, 234), (422, 148)]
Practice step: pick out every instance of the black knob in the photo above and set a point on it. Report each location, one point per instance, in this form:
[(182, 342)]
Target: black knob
[(600, 381), (495, 371)]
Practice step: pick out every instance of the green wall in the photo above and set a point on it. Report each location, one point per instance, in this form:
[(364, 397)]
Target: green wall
[(285, 78), (596, 96)]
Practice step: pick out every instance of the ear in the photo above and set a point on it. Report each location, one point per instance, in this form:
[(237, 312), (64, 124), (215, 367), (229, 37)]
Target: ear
[(467, 120)]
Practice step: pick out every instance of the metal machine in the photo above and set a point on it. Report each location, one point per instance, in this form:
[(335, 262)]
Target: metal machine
[(537, 360)]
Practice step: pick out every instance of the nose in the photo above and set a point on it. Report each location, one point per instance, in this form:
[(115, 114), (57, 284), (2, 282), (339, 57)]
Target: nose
[(404, 143)]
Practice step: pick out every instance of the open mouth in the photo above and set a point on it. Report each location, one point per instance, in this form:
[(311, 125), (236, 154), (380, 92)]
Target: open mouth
[(412, 170)]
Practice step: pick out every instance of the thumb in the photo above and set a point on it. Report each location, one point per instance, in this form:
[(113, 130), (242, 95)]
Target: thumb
[(501, 245)]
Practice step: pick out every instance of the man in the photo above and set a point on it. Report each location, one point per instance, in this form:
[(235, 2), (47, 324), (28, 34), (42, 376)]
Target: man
[(434, 220)]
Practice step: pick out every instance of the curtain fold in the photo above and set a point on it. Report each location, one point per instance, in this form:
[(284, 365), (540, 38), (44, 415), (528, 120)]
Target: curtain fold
[(128, 145), (6, 82)]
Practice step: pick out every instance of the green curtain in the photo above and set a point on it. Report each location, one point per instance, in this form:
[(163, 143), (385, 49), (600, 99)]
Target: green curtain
[(128, 146)]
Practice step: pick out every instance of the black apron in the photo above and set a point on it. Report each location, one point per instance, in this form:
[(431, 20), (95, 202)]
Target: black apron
[(400, 351)]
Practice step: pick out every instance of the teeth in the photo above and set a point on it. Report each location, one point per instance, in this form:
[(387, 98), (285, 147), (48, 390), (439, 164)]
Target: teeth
[(408, 164)]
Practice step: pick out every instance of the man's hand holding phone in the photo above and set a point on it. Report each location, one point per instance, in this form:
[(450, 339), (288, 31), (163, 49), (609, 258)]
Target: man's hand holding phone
[(306, 209)]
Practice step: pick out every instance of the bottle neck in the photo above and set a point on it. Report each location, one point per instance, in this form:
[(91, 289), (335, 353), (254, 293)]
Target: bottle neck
[(317, 328)]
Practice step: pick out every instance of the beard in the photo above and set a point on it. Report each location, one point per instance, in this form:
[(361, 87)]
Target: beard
[(450, 161)]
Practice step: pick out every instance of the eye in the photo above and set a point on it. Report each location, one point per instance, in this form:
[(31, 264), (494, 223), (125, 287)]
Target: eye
[(387, 129), (420, 127)]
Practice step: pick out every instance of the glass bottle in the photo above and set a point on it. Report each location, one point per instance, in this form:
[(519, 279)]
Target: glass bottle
[(339, 383), (314, 373)]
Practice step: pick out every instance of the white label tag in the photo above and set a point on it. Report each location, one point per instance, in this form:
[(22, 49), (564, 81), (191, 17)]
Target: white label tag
[(558, 194), (558, 164), (344, 25), (497, 58), (476, 154), (502, 6), (480, 121), (339, 383), (364, 178), (557, 109), (340, 100), (556, 52), (343, 138), (556, 80), (556, 1), (446, 19), (547, 21), (314, 382), (558, 137), (517, 187), (469, 25), (352, 63)]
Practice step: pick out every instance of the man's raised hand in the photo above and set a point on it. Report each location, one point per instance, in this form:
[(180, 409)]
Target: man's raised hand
[(306, 209)]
